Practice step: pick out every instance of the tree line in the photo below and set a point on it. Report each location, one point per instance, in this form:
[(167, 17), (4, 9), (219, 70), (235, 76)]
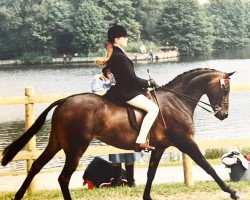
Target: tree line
[(55, 27)]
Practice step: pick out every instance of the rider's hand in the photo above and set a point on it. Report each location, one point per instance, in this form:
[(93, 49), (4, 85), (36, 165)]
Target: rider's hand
[(102, 77), (152, 83)]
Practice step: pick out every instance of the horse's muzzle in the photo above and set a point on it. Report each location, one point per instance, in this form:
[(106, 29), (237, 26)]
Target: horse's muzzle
[(221, 114)]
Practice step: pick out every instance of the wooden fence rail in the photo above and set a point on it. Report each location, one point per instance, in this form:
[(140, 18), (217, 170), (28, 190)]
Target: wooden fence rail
[(31, 153)]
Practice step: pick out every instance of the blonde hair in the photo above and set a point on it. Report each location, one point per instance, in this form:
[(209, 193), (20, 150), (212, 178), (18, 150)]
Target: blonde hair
[(102, 61)]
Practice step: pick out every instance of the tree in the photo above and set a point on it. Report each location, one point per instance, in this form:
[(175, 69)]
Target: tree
[(29, 27), (59, 25), (5, 27), (183, 24), (89, 28), (229, 23), (123, 13), (247, 17), (147, 14), (39, 30), (18, 34)]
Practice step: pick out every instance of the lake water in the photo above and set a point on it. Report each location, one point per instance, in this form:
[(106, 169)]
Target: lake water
[(77, 78)]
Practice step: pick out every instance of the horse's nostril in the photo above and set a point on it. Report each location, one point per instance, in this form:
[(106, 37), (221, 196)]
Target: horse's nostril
[(224, 116), (221, 115)]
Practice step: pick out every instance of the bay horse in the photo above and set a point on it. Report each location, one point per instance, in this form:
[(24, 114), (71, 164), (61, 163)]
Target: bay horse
[(80, 118)]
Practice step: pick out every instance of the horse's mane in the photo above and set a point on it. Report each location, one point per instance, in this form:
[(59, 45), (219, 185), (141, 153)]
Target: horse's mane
[(186, 76)]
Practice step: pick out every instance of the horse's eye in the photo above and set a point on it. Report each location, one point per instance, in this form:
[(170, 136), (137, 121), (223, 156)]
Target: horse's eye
[(225, 90)]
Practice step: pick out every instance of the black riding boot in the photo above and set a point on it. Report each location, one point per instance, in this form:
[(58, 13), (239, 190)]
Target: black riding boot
[(130, 174), (117, 174)]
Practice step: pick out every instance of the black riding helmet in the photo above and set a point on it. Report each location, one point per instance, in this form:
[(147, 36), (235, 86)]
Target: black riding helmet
[(116, 31)]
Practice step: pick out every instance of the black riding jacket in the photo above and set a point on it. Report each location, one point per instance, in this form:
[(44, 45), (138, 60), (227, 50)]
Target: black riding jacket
[(128, 85)]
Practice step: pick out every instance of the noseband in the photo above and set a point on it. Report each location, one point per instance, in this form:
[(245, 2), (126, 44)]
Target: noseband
[(224, 89)]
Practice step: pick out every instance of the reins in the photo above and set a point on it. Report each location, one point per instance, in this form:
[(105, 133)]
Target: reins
[(194, 101), (156, 99), (162, 118), (190, 99)]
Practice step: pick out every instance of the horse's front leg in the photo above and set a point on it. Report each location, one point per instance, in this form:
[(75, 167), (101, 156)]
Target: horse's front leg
[(153, 164), (189, 147)]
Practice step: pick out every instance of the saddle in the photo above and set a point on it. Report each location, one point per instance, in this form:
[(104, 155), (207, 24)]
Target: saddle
[(131, 109), (131, 112)]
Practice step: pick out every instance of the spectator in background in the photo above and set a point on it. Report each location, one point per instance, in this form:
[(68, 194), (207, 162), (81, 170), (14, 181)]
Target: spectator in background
[(128, 159), (64, 58), (151, 55)]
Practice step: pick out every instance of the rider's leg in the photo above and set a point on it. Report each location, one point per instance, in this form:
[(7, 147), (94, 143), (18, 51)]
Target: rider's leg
[(152, 110), (130, 174), (117, 175)]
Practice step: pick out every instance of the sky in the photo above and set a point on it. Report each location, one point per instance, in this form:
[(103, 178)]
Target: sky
[(203, 1)]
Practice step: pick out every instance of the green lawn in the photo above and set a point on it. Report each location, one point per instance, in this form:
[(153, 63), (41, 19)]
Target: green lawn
[(124, 193)]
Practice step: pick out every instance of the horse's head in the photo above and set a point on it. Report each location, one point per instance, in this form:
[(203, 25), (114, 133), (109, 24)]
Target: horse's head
[(193, 84), (218, 94)]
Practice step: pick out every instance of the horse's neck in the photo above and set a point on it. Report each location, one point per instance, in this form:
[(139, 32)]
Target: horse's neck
[(190, 89), (194, 88)]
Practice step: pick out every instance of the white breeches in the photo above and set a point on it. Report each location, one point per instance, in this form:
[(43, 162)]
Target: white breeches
[(152, 110)]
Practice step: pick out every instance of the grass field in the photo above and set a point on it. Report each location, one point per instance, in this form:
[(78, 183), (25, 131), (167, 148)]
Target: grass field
[(174, 191)]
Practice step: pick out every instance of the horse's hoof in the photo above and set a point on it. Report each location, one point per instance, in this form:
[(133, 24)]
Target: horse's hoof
[(235, 196), (147, 198)]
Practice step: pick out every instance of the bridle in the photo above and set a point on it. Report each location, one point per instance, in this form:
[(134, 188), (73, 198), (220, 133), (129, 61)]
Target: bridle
[(224, 89)]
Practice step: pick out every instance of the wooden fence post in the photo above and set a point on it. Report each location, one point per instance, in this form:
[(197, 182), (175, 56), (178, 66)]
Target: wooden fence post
[(29, 120), (187, 167)]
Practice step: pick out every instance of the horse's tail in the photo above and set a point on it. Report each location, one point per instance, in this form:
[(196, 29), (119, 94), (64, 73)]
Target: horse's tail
[(10, 151)]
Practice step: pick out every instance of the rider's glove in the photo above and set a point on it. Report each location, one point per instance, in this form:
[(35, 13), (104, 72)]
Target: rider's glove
[(152, 83)]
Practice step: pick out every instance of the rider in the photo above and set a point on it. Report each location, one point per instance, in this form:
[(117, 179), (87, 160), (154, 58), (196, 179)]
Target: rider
[(128, 87), (100, 84)]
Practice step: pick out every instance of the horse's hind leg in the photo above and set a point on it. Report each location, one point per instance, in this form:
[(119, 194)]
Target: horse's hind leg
[(190, 148), (72, 159), (52, 148)]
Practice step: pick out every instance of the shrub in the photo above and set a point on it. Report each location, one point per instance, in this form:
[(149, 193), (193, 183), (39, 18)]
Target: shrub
[(214, 153), (35, 58), (134, 47), (245, 151), (99, 53)]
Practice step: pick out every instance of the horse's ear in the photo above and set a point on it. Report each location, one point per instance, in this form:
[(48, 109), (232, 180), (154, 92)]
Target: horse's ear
[(229, 74)]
